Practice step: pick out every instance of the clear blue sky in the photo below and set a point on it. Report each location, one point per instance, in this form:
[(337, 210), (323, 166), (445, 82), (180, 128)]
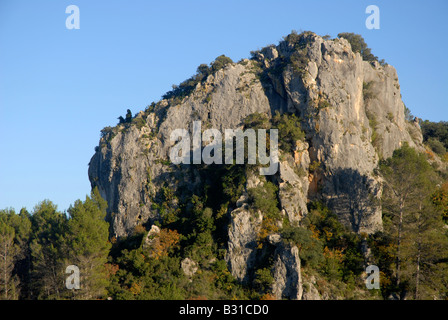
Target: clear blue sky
[(60, 87)]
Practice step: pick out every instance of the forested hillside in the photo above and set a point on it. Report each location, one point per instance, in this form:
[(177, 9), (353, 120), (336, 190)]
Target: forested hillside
[(360, 183)]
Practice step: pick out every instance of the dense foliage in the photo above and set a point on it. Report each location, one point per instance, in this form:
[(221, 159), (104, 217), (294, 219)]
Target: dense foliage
[(359, 45), (37, 248), (411, 251), (435, 134), (202, 72)]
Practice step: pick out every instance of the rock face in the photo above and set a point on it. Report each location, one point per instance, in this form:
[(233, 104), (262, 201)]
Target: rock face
[(189, 267), (242, 243), (287, 275), (350, 110)]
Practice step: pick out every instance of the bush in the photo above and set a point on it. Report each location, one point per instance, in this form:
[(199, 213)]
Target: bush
[(297, 40), (436, 146), (264, 198), (139, 122), (263, 280), (257, 121), (219, 63), (310, 247), (299, 61), (408, 114), (359, 45), (289, 130), (203, 71), (367, 90), (436, 130)]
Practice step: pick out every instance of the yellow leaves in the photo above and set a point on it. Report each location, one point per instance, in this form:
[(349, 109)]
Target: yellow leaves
[(445, 157), (135, 288), (268, 227), (440, 198), (111, 269), (328, 234), (429, 153), (335, 254), (267, 296), (316, 233), (197, 298), (385, 280), (139, 229), (163, 242)]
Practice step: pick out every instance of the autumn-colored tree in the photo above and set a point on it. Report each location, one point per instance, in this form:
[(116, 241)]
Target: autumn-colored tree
[(268, 227), (162, 243), (440, 199)]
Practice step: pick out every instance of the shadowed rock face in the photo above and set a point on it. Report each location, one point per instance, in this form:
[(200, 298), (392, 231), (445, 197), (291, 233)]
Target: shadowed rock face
[(350, 110)]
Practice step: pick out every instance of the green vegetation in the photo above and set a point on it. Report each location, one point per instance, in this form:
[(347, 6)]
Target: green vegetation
[(299, 58), (440, 199), (367, 90), (38, 247), (193, 228), (412, 250), (314, 166), (328, 250), (408, 114), (359, 45), (390, 116), (289, 130), (203, 71), (376, 137), (264, 198), (435, 135), (288, 125)]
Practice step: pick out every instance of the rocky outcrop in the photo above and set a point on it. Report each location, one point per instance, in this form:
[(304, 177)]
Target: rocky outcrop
[(242, 244), (189, 267), (132, 164), (286, 270), (350, 110), (293, 182), (352, 114)]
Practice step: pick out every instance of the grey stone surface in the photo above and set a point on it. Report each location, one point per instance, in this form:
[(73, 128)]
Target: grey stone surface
[(189, 267), (287, 274), (351, 112)]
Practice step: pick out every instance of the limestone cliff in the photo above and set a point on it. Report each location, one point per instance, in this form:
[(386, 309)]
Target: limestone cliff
[(352, 115)]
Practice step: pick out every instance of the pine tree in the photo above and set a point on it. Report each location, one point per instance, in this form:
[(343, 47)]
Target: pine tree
[(47, 251), (14, 235), (411, 219), (87, 239), (424, 246), (8, 252)]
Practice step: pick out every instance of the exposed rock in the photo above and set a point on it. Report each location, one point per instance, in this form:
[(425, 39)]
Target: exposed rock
[(310, 291), (129, 169), (189, 267), (351, 112), (293, 185), (149, 240), (286, 270), (242, 244), (274, 239)]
